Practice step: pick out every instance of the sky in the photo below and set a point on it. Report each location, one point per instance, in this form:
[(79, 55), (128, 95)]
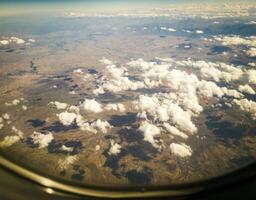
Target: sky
[(28, 6)]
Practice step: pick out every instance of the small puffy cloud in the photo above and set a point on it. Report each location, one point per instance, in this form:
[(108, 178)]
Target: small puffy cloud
[(252, 64), (174, 131), (247, 106), (17, 132), (15, 40), (4, 42), (97, 147), (67, 162), (78, 71), (251, 52), (14, 102), (73, 108), (114, 148), (67, 149), (100, 125), (181, 150), (171, 29), (31, 40), (117, 80), (237, 40), (91, 105), (163, 28), (149, 132), (115, 107), (94, 127), (199, 31), (246, 89), (251, 76), (24, 107), (42, 140), (147, 103), (59, 105), (6, 116), (167, 29), (67, 118), (9, 141)]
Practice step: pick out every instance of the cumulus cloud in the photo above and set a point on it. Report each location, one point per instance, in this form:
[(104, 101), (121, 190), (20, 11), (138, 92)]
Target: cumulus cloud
[(199, 31), (15, 102), (237, 40), (114, 148), (251, 52), (14, 40), (115, 107), (174, 131), (247, 106), (91, 105), (6, 116), (117, 80), (67, 149), (246, 89), (67, 162), (181, 150), (9, 141), (94, 127), (59, 105), (67, 118), (149, 132), (78, 71), (42, 140)]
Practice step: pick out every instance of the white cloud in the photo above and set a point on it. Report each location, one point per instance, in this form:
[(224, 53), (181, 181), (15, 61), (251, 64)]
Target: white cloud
[(31, 40), (171, 29), (9, 141), (24, 107), (181, 150), (6, 116), (114, 148), (67, 162), (91, 105), (251, 52), (115, 107), (251, 76), (65, 148), (42, 140), (17, 132), (97, 147), (4, 42), (15, 102), (247, 106), (174, 131), (199, 31), (59, 105), (94, 127), (117, 80), (78, 71), (237, 40), (150, 131), (67, 118), (15, 40), (246, 89)]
